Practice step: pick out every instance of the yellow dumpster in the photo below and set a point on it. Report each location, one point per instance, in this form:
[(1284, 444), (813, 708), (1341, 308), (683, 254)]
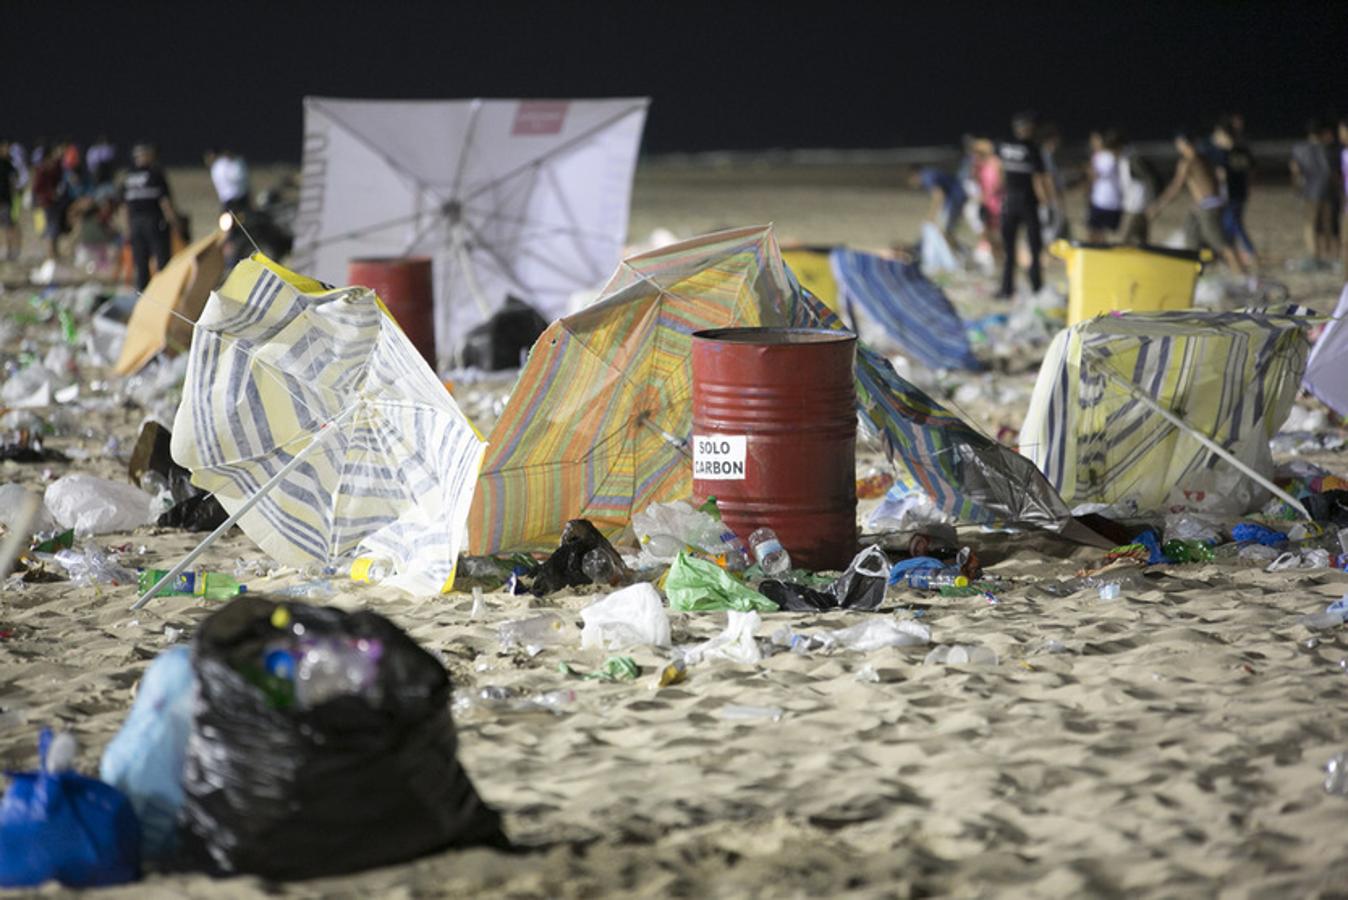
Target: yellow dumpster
[(813, 270), (1102, 278)]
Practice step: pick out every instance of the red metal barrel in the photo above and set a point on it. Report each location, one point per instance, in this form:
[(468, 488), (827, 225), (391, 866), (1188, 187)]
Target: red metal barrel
[(774, 436), (404, 284)]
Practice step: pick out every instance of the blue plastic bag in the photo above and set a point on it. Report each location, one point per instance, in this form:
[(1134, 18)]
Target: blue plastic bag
[(68, 827), (145, 759)]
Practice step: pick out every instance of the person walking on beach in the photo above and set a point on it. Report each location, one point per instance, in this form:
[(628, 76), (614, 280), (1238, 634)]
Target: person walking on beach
[(947, 199), (149, 212), (229, 174), (1025, 186), (1235, 167), (9, 186), (1137, 188), (46, 182), (1312, 177), (1203, 227), (1106, 204)]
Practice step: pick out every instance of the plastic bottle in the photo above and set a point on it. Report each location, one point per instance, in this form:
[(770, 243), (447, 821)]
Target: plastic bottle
[(335, 667), (598, 567), (1336, 775), (532, 635), (935, 579), (371, 569), (735, 550), (211, 585), (771, 555)]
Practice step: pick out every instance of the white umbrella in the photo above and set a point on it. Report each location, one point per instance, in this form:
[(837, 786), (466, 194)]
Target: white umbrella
[(523, 197)]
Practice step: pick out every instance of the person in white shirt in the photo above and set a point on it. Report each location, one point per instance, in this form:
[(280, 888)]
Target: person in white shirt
[(1137, 183), (229, 174), (1106, 204)]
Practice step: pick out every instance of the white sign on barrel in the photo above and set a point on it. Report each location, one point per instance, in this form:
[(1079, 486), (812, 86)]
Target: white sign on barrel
[(719, 456)]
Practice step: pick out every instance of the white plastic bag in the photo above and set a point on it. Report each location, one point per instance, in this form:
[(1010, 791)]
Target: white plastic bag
[(11, 507), (96, 505), (736, 643), (632, 617), (875, 634)]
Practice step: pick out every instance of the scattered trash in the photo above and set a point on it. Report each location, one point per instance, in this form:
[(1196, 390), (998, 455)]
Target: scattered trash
[(736, 713), (1336, 775), (565, 567), (632, 617), (736, 643), (534, 635), (97, 506)]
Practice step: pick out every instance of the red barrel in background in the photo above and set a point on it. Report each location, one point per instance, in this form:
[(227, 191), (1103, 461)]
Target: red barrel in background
[(774, 436), (404, 284)]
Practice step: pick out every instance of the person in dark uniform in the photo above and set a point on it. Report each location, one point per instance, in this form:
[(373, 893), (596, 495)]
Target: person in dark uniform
[(1025, 185), (149, 212)]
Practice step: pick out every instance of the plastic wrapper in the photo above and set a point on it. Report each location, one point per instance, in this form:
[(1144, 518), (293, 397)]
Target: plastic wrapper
[(60, 825), (862, 586), (695, 585), (632, 617), (344, 785), (145, 759), (736, 643), (93, 505)]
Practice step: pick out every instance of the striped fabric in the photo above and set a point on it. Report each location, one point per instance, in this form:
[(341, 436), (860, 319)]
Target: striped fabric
[(912, 310), (1232, 376), (274, 358), (592, 428)]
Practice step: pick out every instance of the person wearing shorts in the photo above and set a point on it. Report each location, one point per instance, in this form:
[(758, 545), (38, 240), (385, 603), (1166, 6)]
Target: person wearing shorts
[(1204, 223), (1313, 178), (1106, 204)]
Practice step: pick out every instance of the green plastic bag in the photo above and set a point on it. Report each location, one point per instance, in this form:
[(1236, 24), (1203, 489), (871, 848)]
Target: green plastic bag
[(695, 585)]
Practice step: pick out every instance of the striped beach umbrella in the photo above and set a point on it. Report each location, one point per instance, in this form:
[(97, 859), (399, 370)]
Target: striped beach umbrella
[(597, 425), (1128, 407), (283, 367)]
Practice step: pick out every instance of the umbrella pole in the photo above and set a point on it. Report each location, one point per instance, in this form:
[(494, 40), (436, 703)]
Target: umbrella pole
[(328, 429), (1212, 445)]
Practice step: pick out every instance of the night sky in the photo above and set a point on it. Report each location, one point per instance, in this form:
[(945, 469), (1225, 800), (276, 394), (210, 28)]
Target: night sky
[(722, 75)]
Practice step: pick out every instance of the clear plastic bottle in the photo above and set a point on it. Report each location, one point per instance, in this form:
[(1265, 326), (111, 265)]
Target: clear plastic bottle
[(335, 667), (935, 579), (733, 547), (598, 567), (371, 569), (771, 555), (534, 634)]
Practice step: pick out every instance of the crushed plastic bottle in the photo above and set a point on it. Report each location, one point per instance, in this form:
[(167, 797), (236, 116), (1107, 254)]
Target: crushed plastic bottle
[(91, 566), (1109, 591), (935, 579), (317, 590), (533, 635), (768, 551), (598, 567)]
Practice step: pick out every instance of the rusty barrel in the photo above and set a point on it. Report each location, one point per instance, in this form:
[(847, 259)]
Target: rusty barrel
[(774, 436), (404, 284)]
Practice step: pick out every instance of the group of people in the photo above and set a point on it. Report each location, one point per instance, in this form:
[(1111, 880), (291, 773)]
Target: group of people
[(79, 193), (1005, 187)]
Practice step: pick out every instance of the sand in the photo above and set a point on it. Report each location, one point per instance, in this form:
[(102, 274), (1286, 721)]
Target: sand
[(1167, 743)]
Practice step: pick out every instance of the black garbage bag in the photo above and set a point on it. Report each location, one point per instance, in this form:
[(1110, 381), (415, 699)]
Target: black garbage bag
[(1329, 507), (564, 567), (862, 586), (796, 597), (201, 512), (282, 791), (501, 341)]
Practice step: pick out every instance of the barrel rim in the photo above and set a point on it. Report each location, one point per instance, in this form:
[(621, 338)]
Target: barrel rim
[(389, 260), (748, 336)]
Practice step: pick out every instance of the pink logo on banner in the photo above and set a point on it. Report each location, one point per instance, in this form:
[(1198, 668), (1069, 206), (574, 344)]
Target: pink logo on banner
[(539, 117)]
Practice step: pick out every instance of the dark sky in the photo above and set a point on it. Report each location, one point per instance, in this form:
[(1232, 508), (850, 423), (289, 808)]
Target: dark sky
[(722, 75)]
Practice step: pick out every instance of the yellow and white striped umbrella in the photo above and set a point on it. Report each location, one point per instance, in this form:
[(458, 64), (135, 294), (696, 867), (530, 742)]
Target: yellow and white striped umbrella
[(277, 359)]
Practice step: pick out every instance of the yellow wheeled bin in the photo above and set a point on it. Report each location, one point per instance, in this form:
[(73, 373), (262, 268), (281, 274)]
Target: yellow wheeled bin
[(1102, 278)]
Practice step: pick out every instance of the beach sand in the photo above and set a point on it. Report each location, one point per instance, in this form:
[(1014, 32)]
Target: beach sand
[(1167, 743)]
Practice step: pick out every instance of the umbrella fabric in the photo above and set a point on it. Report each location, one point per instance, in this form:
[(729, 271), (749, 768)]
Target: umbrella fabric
[(171, 302), (275, 359), (1231, 376), (1327, 368), (911, 309), (508, 197), (594, 427)]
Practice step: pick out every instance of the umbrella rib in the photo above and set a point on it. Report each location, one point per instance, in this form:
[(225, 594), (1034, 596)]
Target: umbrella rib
[(560, 148)]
